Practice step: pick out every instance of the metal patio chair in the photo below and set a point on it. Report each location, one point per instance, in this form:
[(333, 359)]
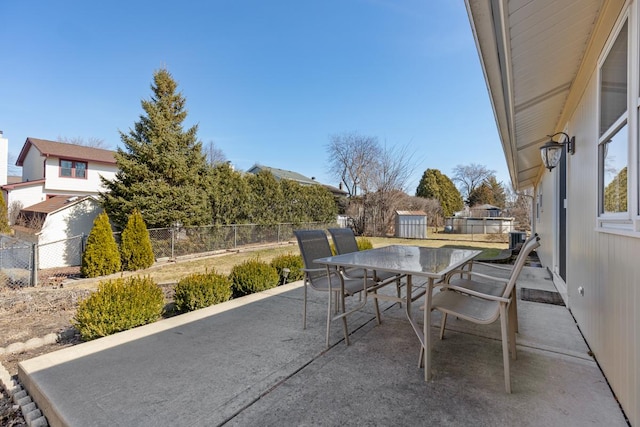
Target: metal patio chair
[(345, 242), (314, 244), (492, 286), (483, 304)]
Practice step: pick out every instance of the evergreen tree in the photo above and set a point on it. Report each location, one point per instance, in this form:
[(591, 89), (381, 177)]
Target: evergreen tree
[(320, 206), (4, 216), (135, 246), (481, 195), (229, 196), (101, 255), (162, 169), (435, 185), (267, 202), (498, 191)]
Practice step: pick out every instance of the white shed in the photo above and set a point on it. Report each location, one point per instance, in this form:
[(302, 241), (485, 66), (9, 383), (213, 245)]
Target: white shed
[(411, 224)]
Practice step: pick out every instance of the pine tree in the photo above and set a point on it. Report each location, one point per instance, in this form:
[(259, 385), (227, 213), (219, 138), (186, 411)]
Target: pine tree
[(4, 216), (435, 185), (135, 247), (162, 170), (101, 256)]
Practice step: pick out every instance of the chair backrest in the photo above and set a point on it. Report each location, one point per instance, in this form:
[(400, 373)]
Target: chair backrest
[(529, 245), (344, 240), (313, 244)]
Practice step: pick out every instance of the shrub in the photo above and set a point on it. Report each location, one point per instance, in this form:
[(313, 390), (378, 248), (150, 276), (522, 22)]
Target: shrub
[(293, 263), (119, 305), (364, 243), (201, 290), (253, 276), (101, 256), (135, 247)]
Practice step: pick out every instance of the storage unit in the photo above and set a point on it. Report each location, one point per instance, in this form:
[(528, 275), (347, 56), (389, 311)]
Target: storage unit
[(411, 224)]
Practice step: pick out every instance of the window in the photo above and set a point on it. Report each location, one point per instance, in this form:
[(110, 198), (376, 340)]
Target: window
[(613, 141), (73, 169)]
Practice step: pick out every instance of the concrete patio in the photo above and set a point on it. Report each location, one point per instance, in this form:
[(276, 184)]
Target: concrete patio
[(249, 362)]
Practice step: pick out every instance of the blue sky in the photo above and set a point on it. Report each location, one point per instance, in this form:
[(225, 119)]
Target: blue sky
[(266, 81)]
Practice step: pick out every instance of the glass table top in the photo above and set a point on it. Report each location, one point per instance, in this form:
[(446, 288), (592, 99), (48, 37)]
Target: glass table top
[(405, 259)]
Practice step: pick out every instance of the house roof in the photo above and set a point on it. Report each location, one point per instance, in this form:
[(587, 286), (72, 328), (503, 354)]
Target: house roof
[(67, 151), (12, 186), (533, 56), (283, 174), (55, 204), (294, 176), (411, 213)]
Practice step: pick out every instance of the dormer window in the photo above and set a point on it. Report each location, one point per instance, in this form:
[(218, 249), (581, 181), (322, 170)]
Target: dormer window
[(73, 169)]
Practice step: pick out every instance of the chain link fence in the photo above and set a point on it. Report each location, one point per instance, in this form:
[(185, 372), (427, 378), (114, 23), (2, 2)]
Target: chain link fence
[(180, 241), (24, 263), (17, 261)]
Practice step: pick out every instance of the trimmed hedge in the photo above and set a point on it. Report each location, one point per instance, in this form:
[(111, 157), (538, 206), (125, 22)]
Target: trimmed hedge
[(293, 263), (119, 305), (201, 290), (253, 276), (135, 246)]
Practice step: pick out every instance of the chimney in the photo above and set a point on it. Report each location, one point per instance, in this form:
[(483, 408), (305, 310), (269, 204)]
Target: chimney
[(4, 158)]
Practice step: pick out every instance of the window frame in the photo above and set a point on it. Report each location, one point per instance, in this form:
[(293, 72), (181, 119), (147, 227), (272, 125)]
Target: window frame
[(73, 168), (626, 223)]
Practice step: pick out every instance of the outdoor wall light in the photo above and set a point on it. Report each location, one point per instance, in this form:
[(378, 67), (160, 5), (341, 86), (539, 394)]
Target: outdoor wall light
[(552, 150)]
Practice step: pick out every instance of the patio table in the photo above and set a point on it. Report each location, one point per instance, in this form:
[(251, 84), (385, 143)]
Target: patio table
[(431, 263)]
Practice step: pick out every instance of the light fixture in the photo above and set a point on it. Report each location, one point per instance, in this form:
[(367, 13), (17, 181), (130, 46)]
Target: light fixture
[(552, 150)]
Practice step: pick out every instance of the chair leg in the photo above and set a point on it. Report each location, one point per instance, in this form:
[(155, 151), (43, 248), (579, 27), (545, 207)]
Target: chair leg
[(514, 314), (329, 317), (442, 325), (304, 306), (375, 303), (505, 347), (512, 333), (398, 285), (344, 320)]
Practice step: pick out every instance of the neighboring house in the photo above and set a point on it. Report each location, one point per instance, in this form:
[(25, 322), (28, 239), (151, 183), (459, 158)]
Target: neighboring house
[(55, 168), (57, 226), (573, 66), (295, 176)]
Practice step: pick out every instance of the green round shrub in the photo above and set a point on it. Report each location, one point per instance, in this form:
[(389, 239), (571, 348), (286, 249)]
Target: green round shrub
[(201, 290), (293, 263), (119, 305), (253, 276)]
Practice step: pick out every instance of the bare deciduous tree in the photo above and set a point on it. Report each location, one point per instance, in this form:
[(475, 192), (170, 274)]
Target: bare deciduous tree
[(215, 156), (351, 156), (87, 142), (470, 176), (14, 210)]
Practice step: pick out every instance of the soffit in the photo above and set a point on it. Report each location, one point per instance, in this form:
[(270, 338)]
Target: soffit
[(531, 52)]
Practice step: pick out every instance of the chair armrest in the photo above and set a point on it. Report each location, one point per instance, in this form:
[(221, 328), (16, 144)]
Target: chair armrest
[(474, 293), (493, 265), (476, 274)]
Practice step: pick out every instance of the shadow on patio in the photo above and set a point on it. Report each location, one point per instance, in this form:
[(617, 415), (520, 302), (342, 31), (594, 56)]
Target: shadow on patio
[(248, 362)]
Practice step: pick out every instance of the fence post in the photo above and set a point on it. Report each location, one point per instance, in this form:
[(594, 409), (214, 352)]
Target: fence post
[(34, 264), (235, 236), (172, 240)]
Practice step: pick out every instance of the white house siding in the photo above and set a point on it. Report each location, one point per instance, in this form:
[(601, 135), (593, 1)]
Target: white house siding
[(27, 195), (606, 266), (66, 185), (32, 166), (55, 250)]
